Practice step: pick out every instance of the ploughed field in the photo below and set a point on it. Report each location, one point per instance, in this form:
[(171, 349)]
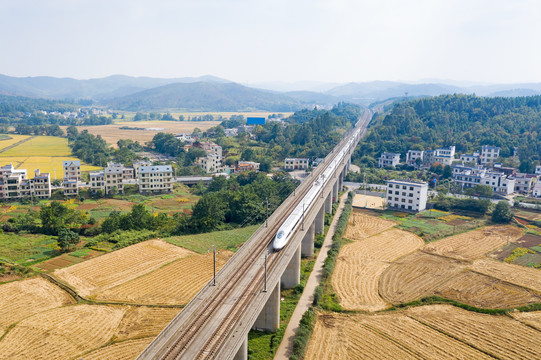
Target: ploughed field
[(381, 266), (132, 294)]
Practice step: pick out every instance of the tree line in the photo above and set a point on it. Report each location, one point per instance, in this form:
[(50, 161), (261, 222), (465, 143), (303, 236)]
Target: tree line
[(465, 121)]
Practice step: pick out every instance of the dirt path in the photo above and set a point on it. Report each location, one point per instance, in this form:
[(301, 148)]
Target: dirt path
[(307, 298), (16, 144)]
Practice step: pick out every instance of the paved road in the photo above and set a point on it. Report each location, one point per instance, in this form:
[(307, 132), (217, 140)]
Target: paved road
[(307, 297)]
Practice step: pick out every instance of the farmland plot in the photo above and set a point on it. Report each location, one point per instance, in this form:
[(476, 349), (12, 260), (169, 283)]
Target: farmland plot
[(485, 291), (523, 276), (416, 276), (61, 333), (113, 269), (530, 318), (126, 350), (336, 337), (141, 321), (389, 336), (362, 225), (473, 244), (175, 283), (21, 299), (499, 336), (361, 263)]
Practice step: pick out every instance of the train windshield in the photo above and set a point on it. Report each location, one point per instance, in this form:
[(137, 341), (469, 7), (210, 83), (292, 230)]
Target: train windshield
[(280, 235)]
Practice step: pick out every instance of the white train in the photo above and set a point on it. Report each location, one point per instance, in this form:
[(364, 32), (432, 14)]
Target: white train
[(295, 218)]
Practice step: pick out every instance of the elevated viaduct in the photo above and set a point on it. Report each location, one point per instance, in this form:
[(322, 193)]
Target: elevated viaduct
[(215, 324)]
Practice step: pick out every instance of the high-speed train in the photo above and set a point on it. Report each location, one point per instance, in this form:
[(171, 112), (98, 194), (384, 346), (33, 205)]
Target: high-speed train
[(294, 219)]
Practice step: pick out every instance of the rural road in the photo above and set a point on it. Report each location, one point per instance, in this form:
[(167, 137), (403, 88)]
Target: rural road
[(307, 297)]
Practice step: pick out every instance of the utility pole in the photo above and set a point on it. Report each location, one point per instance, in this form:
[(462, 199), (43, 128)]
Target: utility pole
[(267, 218), (214, 264)]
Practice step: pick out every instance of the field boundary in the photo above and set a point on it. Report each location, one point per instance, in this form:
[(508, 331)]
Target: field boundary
[(454, 337), (17, 144), (81, 299)]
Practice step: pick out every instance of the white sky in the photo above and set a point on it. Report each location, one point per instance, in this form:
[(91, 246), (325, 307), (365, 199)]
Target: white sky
[(494, 41)]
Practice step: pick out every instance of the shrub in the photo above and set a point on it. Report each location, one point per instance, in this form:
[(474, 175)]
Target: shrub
[(303, 333)]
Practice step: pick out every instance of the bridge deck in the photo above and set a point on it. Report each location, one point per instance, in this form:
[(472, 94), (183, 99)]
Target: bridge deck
[(217, 320)]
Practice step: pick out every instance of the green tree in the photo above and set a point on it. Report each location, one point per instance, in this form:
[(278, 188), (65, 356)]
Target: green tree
[(67, 239), (502, 213)]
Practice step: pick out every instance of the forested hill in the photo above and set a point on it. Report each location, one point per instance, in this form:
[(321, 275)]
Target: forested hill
[(205, 96), (465, 121)]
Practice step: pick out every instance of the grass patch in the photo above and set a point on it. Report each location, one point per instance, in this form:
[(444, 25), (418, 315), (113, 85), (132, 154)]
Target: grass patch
[(80, 253), (434, 224), (24, 248), (200, 243), (431, 300)]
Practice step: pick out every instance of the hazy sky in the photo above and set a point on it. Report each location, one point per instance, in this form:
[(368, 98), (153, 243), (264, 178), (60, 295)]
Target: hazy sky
[(274, 40)]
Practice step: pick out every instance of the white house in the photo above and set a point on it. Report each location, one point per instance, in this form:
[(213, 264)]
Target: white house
[(444, 155), (538, 169), (296, 164), (388, 159), (413, 155), (155, 179), (406, 194), (489, 154)]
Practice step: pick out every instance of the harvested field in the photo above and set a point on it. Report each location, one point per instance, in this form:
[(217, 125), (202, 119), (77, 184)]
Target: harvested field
[(420, 339), (61, 333), (389, 336), (361, 263), (473, 244), (368, 202), (415, 276), (363, 224), (340, 337), (173, 284), (112, 133), (499, 336), (530, 318), (58, 262), (21, 299), (523, 276), (144, 322), (485, 292), (110, 270), (126, 350)]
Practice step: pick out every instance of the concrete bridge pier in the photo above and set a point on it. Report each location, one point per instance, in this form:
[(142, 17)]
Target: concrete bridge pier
[(320, 220), (242, 353), (328, 203), (335, 190), (307, 244), (292, 274), (341, 179), (269, 318)]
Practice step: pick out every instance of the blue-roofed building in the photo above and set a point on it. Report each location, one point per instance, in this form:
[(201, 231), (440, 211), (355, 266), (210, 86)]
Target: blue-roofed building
[(255, 121)]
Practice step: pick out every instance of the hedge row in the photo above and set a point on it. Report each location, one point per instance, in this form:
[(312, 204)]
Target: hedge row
[(303, 333), (320, 299), (122, 239)]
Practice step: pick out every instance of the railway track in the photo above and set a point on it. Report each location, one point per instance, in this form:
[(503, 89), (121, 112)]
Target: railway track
[(198, 324)]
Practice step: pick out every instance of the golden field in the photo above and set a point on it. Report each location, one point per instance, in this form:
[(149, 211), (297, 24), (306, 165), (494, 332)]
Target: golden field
[(12, 139), (41, 152), (112, 133)]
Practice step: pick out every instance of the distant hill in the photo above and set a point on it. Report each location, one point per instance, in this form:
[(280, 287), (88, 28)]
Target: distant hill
[(205, 96), (365, 93), (95, 89)]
